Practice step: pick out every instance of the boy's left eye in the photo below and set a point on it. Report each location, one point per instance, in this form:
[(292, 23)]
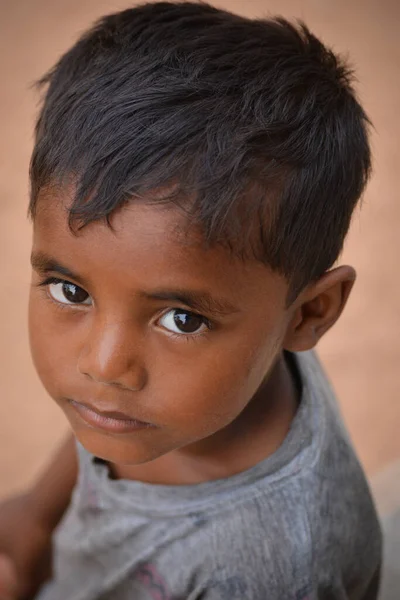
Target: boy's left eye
[(184, 322)]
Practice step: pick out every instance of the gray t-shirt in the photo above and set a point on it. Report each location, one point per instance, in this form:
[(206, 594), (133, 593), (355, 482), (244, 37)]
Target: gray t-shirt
[(300, 525)]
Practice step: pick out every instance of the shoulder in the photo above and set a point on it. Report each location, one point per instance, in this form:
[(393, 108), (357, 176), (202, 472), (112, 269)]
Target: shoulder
[(340, 511), (257, 548), (297, 541)]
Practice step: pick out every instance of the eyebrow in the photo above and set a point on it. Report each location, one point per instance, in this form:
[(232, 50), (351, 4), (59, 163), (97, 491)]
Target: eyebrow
[(44, 263), (198, 300)]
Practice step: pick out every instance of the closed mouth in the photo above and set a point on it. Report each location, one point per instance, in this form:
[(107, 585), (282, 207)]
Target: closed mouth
[(113, 421)]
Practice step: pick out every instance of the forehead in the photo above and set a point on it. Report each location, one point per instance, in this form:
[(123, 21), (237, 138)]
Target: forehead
[(151, 245)]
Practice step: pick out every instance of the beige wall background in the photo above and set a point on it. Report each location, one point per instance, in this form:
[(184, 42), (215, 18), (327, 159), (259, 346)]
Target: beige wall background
[(361, 354)]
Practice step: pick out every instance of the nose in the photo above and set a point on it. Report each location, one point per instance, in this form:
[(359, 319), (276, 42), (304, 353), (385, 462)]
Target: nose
[(111, 355)]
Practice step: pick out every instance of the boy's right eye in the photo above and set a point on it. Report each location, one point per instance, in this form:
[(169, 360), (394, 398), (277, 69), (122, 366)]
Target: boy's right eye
[(66, 292)]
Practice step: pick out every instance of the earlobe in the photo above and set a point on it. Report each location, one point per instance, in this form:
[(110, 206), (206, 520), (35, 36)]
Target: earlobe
[(317, 308)]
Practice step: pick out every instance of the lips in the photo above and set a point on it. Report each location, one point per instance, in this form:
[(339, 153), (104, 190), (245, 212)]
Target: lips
[(111, 421)]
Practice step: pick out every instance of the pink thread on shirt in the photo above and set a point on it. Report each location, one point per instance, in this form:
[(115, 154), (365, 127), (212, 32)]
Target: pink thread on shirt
[(148, 575)]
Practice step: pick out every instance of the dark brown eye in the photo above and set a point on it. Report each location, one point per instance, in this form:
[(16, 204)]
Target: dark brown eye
[(187, 322), (182, 321), (74, 294), (68, 293)]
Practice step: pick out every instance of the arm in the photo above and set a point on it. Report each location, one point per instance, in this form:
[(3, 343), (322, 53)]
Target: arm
[(27, 522), (51, 494)]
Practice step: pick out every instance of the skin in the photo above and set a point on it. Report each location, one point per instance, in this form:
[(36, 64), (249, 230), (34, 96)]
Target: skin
[(219, 400), (8, 579)]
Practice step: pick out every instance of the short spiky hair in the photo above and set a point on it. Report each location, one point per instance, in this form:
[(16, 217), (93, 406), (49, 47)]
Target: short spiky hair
[(254, 120)]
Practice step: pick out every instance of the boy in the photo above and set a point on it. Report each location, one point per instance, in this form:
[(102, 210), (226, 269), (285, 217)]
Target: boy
[(193, 179)]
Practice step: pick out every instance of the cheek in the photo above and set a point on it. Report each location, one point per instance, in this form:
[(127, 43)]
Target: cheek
[(39, 339), (49, 349), (208, 392)]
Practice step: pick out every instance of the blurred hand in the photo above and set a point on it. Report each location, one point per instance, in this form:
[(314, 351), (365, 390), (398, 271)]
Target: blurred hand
[(8, 579), (25, 549)]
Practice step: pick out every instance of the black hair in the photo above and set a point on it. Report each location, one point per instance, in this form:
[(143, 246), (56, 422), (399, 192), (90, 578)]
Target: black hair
[(252, 125)]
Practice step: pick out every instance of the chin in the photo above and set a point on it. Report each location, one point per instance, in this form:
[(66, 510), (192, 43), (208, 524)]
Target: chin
[(117, 449)]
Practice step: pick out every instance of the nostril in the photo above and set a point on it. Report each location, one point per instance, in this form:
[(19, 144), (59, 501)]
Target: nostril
[(134, 379)]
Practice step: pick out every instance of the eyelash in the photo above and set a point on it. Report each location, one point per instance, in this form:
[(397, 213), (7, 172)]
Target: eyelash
[(181, 336), (48, 281)]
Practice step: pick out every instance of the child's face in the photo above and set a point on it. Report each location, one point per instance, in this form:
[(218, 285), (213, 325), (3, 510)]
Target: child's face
[(112, 338)]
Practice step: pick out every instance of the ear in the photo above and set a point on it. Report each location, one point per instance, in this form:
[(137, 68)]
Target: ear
[(317, 308)]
